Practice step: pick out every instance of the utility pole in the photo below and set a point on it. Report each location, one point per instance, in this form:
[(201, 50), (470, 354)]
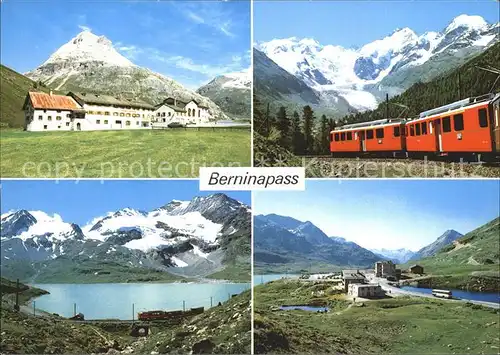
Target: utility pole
[(211, 305), (459, 87), (16, 307), (268, 124), (133, 312), (34, 308), (387, 106), (184, 306), (74, 309)]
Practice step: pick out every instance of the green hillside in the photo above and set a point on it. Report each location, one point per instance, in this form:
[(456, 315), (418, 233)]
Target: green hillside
[(442, 90), (13, 90), (471, 262)]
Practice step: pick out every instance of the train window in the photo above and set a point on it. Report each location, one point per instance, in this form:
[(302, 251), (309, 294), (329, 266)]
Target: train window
[(331, 137), (412, 130), (336, 137), (446, 124), (342, 136), (424, 128), (397, 133), (379, 132), (349, 136), (458, 122), (417, 129), (369, 134), (483, 118)]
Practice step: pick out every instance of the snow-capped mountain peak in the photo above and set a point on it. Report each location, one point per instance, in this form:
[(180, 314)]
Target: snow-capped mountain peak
[(88, 47), (467, 21), (238, 80)]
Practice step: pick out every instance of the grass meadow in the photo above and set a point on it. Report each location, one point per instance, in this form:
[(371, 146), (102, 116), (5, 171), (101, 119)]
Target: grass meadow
[(175, 153)]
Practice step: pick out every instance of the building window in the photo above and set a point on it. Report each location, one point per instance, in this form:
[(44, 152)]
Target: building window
[(144, 124), (122, 114), (58, 127), (115, 113), (68, 115), (136, 123), (44, 126), (99, 112), (199, 113), (49, 118), (127, 115), (424, 128), (349, 136), (189, 112), (98, 121), (58, 111), (483, 118), (40, 118), (458, 122), (342, 136), (446, 124), (127, 123), (412, 130), (336, 137), (169, 114), (369, 134), (417, 129), (163, 114), (58, 118), (105, 121), (397, 132), (106, 113), (67, 124), (379, 132)]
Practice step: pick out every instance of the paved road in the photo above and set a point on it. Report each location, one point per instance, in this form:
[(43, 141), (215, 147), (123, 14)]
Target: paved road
[(397, 291)]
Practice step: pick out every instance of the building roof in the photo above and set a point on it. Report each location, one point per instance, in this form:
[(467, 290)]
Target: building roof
[(108, 100), (352, 275), (182, 104), (415, 265), (46, 101), (175, 108)]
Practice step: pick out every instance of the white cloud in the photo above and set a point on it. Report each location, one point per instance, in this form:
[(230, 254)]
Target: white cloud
[(213, 15)]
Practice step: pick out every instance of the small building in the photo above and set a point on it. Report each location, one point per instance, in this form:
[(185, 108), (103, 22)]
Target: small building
[(51, 112), (385, 269), (174, 110), (350, 277), (398, 274), (416, 269), (365, 291)]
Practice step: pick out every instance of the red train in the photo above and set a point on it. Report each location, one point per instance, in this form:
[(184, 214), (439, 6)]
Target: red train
[(469, 126), (163, 315)]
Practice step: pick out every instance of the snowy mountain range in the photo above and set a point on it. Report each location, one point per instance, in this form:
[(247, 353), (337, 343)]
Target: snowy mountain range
[(398, 256), (91, 63), (231, 92), (188, 238), (361, 77)]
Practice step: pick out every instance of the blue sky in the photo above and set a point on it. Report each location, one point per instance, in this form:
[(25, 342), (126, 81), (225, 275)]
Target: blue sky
[(387, 213), (81, 202), (189, 41), (355, 23)]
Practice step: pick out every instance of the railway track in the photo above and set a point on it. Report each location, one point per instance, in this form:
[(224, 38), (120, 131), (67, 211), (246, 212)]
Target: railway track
[(399, 167)]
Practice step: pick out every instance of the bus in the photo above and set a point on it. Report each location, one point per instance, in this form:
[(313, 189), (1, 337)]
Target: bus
[(442, 293)]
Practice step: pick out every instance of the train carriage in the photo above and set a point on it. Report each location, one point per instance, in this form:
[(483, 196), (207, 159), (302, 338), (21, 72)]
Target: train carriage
[(377, 136), (466, 126)]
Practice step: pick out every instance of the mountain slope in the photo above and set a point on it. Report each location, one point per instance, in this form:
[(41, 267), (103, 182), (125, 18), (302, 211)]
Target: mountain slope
[(445, 239), (184, 238), (441, 90), (277, 244), (391, 64), (13, 90), (90, 63), (231, 92)]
